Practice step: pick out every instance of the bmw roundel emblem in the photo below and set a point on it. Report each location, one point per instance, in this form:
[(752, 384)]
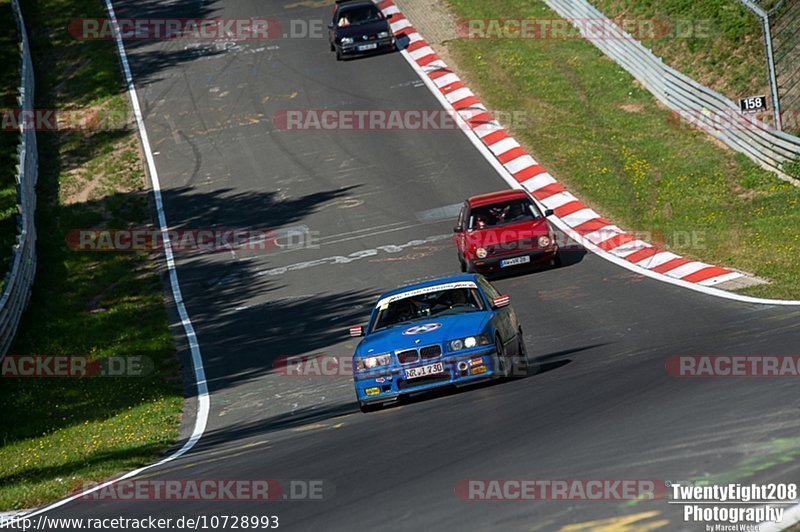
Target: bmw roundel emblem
[(422, 329)]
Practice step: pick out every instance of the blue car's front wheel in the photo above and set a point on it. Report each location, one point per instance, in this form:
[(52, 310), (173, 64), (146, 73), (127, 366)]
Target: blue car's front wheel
[(521, 368), (502, 362)]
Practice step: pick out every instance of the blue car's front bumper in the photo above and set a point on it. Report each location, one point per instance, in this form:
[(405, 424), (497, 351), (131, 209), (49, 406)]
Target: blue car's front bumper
[(460, 368)]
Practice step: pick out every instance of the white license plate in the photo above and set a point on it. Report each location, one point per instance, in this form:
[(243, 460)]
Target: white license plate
[(367, 47), (515, 261), (424, 371)]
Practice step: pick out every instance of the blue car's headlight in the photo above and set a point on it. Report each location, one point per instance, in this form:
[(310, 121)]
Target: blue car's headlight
[(373, 362), (347, 40), (383, 34), (468, 342)]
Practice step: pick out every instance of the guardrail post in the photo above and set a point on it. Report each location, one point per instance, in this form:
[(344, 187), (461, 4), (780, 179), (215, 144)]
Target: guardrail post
[(773, 79)]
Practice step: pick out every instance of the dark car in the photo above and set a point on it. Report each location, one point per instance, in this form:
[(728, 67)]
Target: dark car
[(359, 28)]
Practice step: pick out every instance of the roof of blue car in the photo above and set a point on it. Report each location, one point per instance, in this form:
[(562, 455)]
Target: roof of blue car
[(432, 282)]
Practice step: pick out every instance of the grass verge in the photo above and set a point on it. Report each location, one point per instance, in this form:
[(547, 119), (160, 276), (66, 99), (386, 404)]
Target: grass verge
[(593, 127), (9, 140), (59, 433), (716, 42)]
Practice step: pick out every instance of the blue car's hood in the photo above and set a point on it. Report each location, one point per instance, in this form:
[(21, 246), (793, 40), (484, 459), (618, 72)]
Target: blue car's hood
[(428, 330)]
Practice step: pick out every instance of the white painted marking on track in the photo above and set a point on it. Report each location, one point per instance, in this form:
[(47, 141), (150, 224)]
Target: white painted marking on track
[(500, 147), (657, 260), (722, 278), (539, 181), (402, 228), (358, 231), (557, 200), (578, 217), (603, 234), (422, 52), (487, 129), (446, 80), (687, 269), (520, 163), (630, 248), (203, 401), (459, 94), (352, 257)]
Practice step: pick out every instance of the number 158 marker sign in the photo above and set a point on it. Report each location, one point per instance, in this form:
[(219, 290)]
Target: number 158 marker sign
[(753, 104)]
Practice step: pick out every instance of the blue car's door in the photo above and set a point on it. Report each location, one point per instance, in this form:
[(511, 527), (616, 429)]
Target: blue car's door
[(504, 319)]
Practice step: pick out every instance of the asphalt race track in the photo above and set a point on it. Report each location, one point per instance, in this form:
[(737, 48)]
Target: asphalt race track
[(380, 205)]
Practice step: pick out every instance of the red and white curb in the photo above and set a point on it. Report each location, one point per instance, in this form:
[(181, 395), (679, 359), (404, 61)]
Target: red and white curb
[(577, 219)]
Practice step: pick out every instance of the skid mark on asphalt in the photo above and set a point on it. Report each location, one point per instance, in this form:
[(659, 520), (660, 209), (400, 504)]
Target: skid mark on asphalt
[(226, 455), (425, 251), (352, 257)]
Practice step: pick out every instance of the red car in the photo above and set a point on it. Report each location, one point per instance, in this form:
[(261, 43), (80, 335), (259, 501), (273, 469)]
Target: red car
[(502, 230)]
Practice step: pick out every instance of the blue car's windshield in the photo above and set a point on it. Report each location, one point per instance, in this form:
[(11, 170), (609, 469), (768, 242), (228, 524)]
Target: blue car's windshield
[(431, 304)]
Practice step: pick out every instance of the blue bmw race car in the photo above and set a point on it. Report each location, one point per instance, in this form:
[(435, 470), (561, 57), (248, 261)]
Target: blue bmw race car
[(451, 331)]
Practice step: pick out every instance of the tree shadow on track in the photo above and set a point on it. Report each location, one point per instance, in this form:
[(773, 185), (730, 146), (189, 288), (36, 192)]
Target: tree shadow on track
[(229, 208), (151, 56), (544, 363), (289, 420)]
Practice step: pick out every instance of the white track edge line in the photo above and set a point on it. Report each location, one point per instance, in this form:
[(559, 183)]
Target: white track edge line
[(201, 417), (476, 141)]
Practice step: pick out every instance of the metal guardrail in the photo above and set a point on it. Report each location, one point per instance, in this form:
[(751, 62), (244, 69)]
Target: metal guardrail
[(696, 104), (19, 279)]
